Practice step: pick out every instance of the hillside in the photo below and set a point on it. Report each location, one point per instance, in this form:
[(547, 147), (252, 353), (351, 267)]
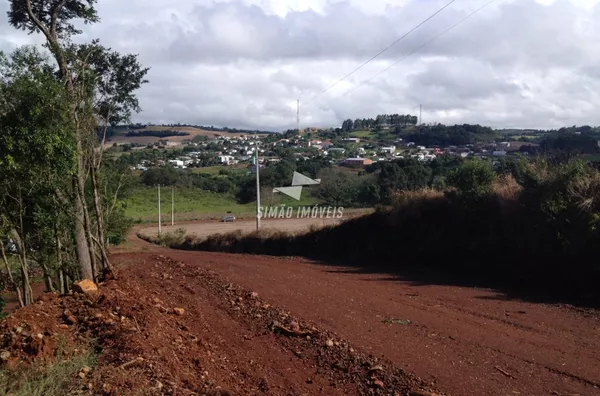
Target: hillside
[(120, 136)]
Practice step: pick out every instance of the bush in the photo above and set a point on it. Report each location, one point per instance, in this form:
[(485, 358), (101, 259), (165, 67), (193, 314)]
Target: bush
[(174, 238), (472, 178)]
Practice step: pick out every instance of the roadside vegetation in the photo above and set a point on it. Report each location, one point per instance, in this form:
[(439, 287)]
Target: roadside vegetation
[(61, 201), (55, 377)]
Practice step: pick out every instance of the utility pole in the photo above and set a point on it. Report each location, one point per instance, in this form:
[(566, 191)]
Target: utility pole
[(298, 115), (172, 205), (420, 114), (159, 210), (258, 214)]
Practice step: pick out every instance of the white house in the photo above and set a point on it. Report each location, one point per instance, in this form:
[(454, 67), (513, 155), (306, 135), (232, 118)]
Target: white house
[(499, 153), (227, 159), (177, 163), (389, 149)]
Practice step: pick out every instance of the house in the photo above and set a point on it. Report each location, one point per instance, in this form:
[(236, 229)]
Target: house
[(177, 163), (352, 140), (168, 143), (389, 149), (227, 159), (499, 153), (357, 162)]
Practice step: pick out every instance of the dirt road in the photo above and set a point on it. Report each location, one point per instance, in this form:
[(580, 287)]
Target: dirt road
[(205, 228), (465, 341)]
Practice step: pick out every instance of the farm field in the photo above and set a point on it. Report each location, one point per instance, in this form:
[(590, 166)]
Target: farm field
[(196, 204), (122, 138)]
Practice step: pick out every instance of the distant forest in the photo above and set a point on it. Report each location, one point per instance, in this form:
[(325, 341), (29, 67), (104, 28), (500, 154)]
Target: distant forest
[(380, 122)]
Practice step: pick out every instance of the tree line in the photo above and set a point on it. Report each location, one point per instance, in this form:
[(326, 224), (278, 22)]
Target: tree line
[(381, 120)]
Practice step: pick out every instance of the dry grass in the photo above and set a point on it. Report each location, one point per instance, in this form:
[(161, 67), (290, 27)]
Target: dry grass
[(56, 379), (586, 192), (403, 198), (506, 188)]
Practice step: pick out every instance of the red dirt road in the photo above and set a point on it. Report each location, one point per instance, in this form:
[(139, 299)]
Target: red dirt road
[(465, 341)]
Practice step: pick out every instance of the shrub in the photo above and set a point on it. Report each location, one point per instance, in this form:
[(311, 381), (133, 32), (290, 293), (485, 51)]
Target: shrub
[(472, 178), (172, 239)]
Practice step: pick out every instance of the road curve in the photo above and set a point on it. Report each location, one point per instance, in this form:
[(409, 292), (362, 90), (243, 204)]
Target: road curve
[(467, 341)]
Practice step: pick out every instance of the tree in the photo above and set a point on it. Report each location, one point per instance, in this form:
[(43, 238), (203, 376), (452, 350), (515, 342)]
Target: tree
[(36, 151), (347, 126), (337, 188), (99, 87), (472, 178)]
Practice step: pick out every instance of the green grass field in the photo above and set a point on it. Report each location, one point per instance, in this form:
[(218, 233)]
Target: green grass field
[(196, 204), (363, 134)]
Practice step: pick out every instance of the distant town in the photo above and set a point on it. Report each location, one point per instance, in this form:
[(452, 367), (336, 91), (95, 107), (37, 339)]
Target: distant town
[(356, 144)]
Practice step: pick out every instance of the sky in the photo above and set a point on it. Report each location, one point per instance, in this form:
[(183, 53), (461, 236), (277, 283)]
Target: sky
[(245, 63)]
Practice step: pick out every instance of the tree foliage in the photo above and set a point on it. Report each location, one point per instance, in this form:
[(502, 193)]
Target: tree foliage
[(53, 105)]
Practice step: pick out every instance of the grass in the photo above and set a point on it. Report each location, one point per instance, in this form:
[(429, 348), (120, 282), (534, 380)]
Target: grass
[(196, 204), (363, 134), (56, 379)]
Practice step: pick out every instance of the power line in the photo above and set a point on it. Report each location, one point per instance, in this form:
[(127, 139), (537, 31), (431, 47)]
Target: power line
[(418, 49), (382, 51)]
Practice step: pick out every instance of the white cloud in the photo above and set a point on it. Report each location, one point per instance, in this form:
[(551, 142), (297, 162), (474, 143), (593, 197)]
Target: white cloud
[(243, 63)]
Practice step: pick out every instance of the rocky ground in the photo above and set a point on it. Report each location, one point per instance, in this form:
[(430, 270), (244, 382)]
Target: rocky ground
[(169, 328)]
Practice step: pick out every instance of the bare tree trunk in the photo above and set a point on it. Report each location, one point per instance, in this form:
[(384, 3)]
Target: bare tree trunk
[(22, 250), (15, 285), (89, 238), (47, 278), (100, 222), (59, 263), (22, 253), (61, 281), (67, 283), (81, 244)]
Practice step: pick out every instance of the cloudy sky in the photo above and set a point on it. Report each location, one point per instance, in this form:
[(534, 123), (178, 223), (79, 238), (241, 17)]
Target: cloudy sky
[(243, 63)]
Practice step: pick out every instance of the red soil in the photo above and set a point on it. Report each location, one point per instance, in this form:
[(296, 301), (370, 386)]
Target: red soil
[(463, 341)]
